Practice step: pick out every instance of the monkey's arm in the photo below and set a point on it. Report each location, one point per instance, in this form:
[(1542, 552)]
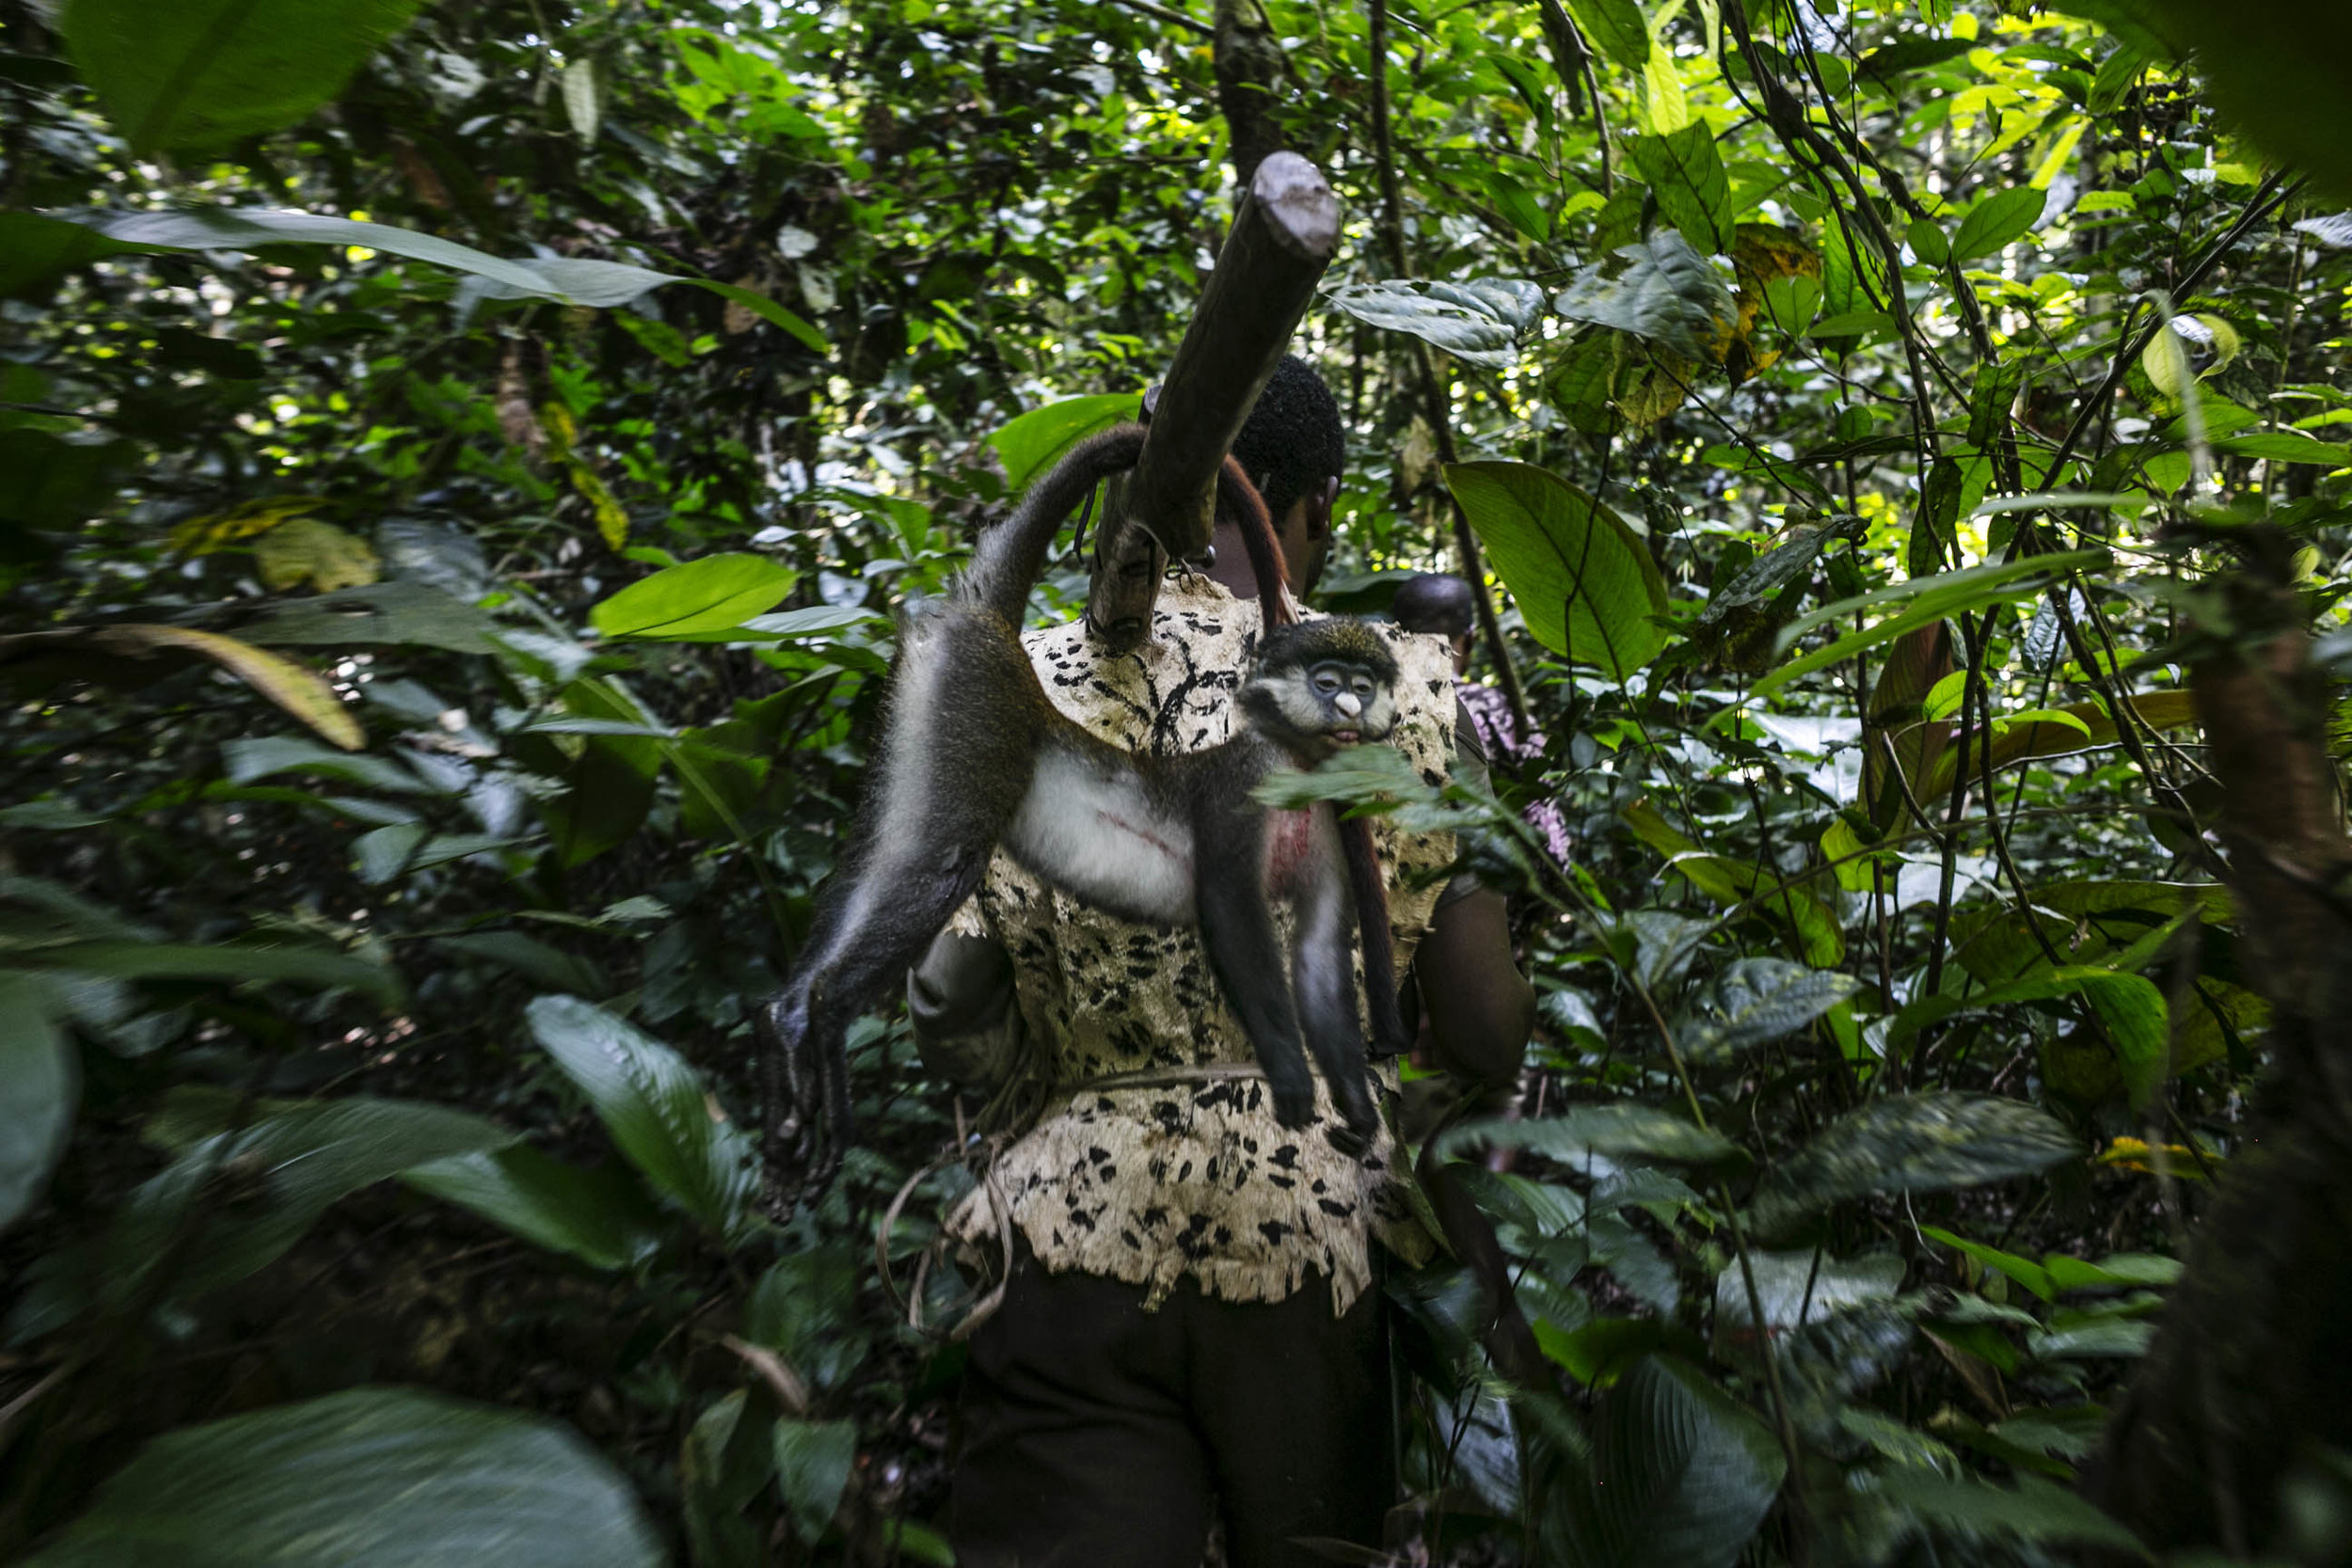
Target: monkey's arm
[(1245, 950), (1323, 974), (1481, 1010)]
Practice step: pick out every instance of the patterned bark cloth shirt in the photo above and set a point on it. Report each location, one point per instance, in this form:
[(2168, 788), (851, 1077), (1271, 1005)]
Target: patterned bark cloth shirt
[(1149, 1184)]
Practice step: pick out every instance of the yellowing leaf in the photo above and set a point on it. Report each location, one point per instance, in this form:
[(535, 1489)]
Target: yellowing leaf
[(218, 529), (1662, 100), (562, 430), (582, 98), (2165, 361), (126, 656), (2135, 1155), (562, 437), (307, 549), (611, 522)]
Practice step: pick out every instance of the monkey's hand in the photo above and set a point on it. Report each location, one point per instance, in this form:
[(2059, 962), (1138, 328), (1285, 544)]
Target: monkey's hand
[(1294, 1097), (800, 1152)]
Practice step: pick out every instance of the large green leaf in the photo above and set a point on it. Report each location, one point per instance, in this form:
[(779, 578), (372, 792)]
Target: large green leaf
[(813, 1463), (1581, 1132), (1686, 174), (381, 613), (1756, 999), (717, 593), (2086, 725), (198, 74), (1805, 1286), (2131, 1009), (246, 761), (657, 1109), (2084, 921), (1664, 291), (1479, 321), (1585, 580), (1896, 731), (1812, 925), (723, 1465), (2036, 1510), (37, 1091), (1682, 1475), (2281, 68), (289, 1168), (601, 1217), (607, 782), (1618, 27), (569, 281), (1920, 602), (1999, 220), (1034, 441), (1914, 1143), (368, 1478), (159, 960), (33, 247)]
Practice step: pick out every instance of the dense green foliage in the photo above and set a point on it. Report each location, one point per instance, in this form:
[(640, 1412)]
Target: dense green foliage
[(457, 466)]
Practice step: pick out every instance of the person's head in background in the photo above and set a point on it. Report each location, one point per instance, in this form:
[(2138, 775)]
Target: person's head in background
[(1434, 602), (1293, 447)]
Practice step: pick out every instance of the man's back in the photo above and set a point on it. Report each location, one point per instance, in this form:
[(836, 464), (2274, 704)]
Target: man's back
[(1157, 1156)]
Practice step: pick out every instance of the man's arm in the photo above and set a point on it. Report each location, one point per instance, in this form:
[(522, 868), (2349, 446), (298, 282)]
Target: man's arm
[(1481, 1010), (960, 999)]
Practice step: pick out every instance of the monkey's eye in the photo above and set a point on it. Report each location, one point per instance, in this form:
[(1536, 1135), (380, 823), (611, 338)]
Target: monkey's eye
[(1326, 683), (1363, 686)]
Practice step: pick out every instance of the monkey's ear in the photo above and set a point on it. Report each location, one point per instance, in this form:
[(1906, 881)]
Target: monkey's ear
[(1319, 505)]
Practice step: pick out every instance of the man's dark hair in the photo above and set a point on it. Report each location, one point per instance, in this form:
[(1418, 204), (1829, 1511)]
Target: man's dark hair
[(1293, 442), (1434, 602)]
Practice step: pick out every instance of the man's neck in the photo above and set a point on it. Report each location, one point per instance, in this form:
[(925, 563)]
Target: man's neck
[(1232, 570)]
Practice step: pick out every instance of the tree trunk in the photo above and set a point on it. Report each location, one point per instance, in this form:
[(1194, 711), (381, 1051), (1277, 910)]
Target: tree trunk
[(2251, 1368)]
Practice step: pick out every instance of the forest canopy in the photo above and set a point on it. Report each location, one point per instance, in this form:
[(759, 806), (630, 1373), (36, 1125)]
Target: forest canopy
[(460, 468)]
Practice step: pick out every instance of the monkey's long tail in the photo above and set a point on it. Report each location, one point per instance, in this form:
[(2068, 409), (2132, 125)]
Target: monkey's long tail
[(1371, 925), (1259, 543), (1009, 557)]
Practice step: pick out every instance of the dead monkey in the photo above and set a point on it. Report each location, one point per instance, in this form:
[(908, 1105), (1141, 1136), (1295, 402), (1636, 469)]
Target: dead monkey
[(974, 758)]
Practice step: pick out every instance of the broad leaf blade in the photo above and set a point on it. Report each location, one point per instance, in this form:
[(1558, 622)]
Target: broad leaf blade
[(1686, 174), (1914, 1143), (813, 1463), (654, 1106), (370, 1478), (714, 593), (1999, 221), (1666, 292), (38, 1093), (1583, 1130), (1682, 1475), (199, 74), (1583, 580), (1757, 999), (1479, 321), (1923, 601), (291, 1166), (1032, 444), (600, 1217)]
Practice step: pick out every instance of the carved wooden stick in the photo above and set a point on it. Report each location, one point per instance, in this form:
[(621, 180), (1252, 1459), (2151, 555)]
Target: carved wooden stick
[(1283, 238)]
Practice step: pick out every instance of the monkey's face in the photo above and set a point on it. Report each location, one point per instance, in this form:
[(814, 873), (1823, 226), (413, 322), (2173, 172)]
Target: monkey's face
[(1356, 703), (1312, 710)]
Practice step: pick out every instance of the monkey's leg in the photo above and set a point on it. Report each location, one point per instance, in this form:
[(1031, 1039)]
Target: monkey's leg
[(1245, 950), (1322, 972)]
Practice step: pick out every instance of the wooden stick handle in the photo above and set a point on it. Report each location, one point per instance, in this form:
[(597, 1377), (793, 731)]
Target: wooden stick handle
[(1285, 234)]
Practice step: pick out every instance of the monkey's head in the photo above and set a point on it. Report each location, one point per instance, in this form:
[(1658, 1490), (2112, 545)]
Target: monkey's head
[(1322, 685)]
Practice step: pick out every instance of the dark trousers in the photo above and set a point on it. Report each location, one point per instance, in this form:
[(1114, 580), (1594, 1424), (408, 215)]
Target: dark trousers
[(1096, 1435)]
